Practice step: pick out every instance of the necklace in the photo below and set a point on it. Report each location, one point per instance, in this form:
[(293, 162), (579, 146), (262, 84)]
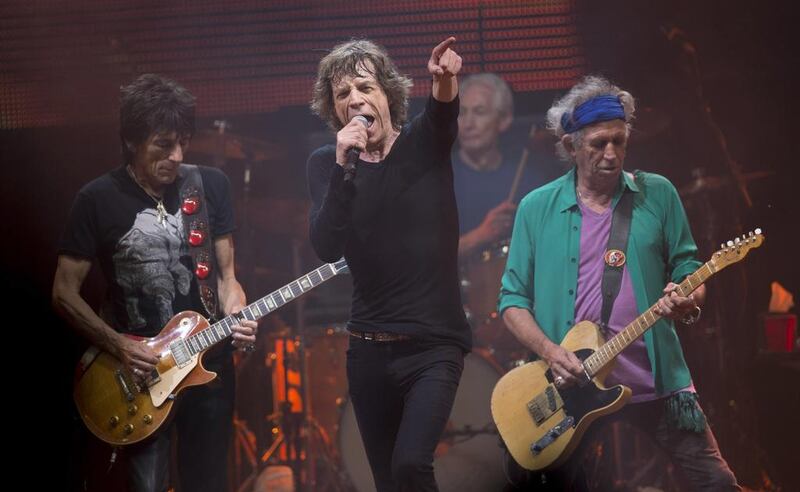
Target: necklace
[(160, 209)]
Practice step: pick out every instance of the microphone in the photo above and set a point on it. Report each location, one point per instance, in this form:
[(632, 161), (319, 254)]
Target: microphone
[(352, 154)]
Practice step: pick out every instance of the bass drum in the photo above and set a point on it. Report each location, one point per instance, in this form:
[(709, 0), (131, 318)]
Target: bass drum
[(468, 458)]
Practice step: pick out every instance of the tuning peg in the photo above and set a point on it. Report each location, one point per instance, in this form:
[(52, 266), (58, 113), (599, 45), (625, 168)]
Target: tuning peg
[(736, 240), (730, 243), (758, 230), (721, 245), (751, 234)]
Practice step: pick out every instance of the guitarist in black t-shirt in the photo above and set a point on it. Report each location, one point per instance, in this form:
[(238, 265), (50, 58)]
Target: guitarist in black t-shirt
[(139, 223)]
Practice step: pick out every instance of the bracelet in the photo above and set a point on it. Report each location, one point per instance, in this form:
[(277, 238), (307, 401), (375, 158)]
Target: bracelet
[(692, 318)]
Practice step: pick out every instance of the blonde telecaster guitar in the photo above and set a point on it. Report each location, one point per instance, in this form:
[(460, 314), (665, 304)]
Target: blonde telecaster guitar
[(120, 412), (541, 424)]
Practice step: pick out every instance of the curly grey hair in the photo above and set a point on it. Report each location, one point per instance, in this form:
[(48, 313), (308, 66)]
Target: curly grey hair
[(353, 59), (503, 98), (589, 87)]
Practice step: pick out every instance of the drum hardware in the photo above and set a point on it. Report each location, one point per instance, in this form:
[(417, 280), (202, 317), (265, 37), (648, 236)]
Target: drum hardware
[(300, 441)]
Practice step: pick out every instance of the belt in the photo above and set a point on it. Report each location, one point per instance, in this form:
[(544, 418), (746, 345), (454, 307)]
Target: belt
[(378, 336)]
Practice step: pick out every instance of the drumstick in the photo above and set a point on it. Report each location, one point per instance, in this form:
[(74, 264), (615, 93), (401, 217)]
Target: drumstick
[(523, 160)]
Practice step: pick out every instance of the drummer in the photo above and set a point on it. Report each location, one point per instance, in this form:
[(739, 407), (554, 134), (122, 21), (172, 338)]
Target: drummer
[(484, 170)]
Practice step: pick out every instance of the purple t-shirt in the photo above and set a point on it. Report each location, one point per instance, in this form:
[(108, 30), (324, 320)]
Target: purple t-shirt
[(633, 365)]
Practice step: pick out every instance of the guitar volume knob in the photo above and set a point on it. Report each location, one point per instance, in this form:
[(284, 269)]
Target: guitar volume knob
[(148, 419), (113, 421), (128, 428)]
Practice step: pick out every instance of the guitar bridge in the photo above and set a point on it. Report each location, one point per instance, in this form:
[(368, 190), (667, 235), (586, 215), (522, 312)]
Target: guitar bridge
[(545, 404), (552, 435), (122, 381), (155, 378)]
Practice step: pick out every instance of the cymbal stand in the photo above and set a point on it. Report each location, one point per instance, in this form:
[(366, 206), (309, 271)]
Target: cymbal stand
[(247, 228)]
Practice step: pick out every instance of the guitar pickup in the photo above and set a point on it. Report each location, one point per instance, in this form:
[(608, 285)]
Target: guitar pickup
[(180, 352), (552, 435), (545, 404)]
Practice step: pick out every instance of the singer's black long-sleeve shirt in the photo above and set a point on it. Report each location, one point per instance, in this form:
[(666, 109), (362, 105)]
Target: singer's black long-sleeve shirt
[(396, 225)]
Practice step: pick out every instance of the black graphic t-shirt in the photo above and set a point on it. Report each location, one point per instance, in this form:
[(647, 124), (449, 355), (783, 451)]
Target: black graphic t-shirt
[(145, 262)]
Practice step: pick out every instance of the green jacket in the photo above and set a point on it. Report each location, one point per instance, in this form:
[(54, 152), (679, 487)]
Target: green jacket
[(541, 274)]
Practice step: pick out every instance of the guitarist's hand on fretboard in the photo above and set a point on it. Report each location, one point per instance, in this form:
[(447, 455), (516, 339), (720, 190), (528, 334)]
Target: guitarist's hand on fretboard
[(676, 307), (244, 333), (564, 365)]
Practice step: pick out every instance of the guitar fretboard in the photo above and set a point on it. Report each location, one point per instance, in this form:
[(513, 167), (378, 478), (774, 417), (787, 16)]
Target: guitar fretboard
[(605, 354), (222, 329)]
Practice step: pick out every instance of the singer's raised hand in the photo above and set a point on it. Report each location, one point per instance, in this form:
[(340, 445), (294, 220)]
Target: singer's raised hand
[(443, 65), (444, 62), (353, 135)]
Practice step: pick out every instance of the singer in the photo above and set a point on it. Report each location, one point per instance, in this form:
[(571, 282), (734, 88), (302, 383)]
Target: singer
[(396, 224)]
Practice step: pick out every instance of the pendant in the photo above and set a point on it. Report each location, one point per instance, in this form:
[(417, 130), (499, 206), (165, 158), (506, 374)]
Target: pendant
[(162, 213)]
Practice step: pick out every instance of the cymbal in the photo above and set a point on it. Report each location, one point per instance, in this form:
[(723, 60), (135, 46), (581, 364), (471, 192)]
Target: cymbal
[(708, 183), (231, 146)]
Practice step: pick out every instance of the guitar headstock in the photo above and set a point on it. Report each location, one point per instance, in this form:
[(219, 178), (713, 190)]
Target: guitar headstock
[(736, 249), (341, 266)]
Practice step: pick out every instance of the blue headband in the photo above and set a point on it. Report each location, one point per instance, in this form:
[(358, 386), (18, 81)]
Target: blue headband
[(600, 108)]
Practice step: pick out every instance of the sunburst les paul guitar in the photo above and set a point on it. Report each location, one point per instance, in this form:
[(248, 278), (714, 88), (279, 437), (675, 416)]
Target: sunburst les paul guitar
[(542, 424), (119, 411)]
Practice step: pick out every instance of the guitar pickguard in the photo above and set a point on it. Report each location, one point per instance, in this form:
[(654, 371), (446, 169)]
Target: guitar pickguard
[(581, 400), (169, 380)]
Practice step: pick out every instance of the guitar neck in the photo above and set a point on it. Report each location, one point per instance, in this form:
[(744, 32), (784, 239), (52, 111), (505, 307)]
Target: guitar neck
[(222, 329), (619, 342)]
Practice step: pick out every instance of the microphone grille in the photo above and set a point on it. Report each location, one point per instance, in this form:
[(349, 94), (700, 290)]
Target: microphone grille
[(362, 119)]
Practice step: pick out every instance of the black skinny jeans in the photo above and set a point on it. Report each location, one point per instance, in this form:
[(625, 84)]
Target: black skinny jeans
[(402, 394)]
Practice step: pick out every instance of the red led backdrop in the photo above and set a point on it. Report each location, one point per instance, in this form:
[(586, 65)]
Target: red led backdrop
[(63, 61)]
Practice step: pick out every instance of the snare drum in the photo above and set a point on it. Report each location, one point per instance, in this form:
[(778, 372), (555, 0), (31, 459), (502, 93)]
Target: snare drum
[(468, 458)]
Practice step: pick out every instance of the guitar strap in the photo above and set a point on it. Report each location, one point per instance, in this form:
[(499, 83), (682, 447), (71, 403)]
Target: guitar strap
[(197, 231), (614, 256)]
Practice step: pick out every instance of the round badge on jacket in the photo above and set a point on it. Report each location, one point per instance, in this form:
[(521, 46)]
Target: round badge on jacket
[(614, 258)]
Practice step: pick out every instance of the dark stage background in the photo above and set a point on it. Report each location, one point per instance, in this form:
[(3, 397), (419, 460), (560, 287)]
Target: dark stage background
[(715, 84)]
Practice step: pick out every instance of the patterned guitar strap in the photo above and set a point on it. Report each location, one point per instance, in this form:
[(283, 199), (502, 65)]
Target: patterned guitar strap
[(197, 231)]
